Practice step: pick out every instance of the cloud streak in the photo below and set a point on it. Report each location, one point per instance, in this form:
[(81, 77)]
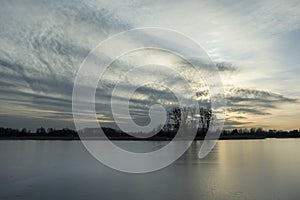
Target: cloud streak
[(42, 45)]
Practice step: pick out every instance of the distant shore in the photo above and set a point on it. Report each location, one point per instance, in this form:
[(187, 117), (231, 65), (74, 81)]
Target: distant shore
[(113, 134), (129, 138)]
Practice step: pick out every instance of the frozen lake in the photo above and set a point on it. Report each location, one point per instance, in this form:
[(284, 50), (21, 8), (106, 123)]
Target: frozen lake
[(240, 169)]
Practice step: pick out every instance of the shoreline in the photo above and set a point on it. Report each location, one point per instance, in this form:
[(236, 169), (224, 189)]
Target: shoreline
[(138, 139)]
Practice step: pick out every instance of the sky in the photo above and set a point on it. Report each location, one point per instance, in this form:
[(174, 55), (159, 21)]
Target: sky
[(254, 44)]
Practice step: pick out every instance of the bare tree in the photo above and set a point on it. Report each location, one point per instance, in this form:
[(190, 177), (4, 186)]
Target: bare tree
[(189, 117)]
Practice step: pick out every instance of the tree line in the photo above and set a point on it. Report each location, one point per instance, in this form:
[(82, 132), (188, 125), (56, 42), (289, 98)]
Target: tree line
[(187, 117), (65, 132)]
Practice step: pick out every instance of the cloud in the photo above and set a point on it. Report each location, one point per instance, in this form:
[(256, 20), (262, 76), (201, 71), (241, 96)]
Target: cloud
[(40, 54), (246, 95), (226, 66), (253, 111), (42, 44), (229, 123), (244, 105)]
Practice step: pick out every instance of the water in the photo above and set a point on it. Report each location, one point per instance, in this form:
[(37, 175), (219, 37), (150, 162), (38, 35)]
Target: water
[(242, 169)]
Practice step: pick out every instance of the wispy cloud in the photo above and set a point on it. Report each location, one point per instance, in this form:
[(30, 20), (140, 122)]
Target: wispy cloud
[(245, 105), (42, 44)]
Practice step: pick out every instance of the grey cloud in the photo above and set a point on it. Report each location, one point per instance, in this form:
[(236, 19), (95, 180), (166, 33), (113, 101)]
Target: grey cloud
[(39, 56), (254, 111), (254, 102), (257, 96), (233, 123), (226, 66)]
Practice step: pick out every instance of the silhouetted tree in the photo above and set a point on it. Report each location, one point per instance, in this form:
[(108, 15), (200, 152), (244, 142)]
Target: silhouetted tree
[(41, 131), (189, 117)]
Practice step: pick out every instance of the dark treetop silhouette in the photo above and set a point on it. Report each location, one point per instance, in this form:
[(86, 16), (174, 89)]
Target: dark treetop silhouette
[(177, 117)]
